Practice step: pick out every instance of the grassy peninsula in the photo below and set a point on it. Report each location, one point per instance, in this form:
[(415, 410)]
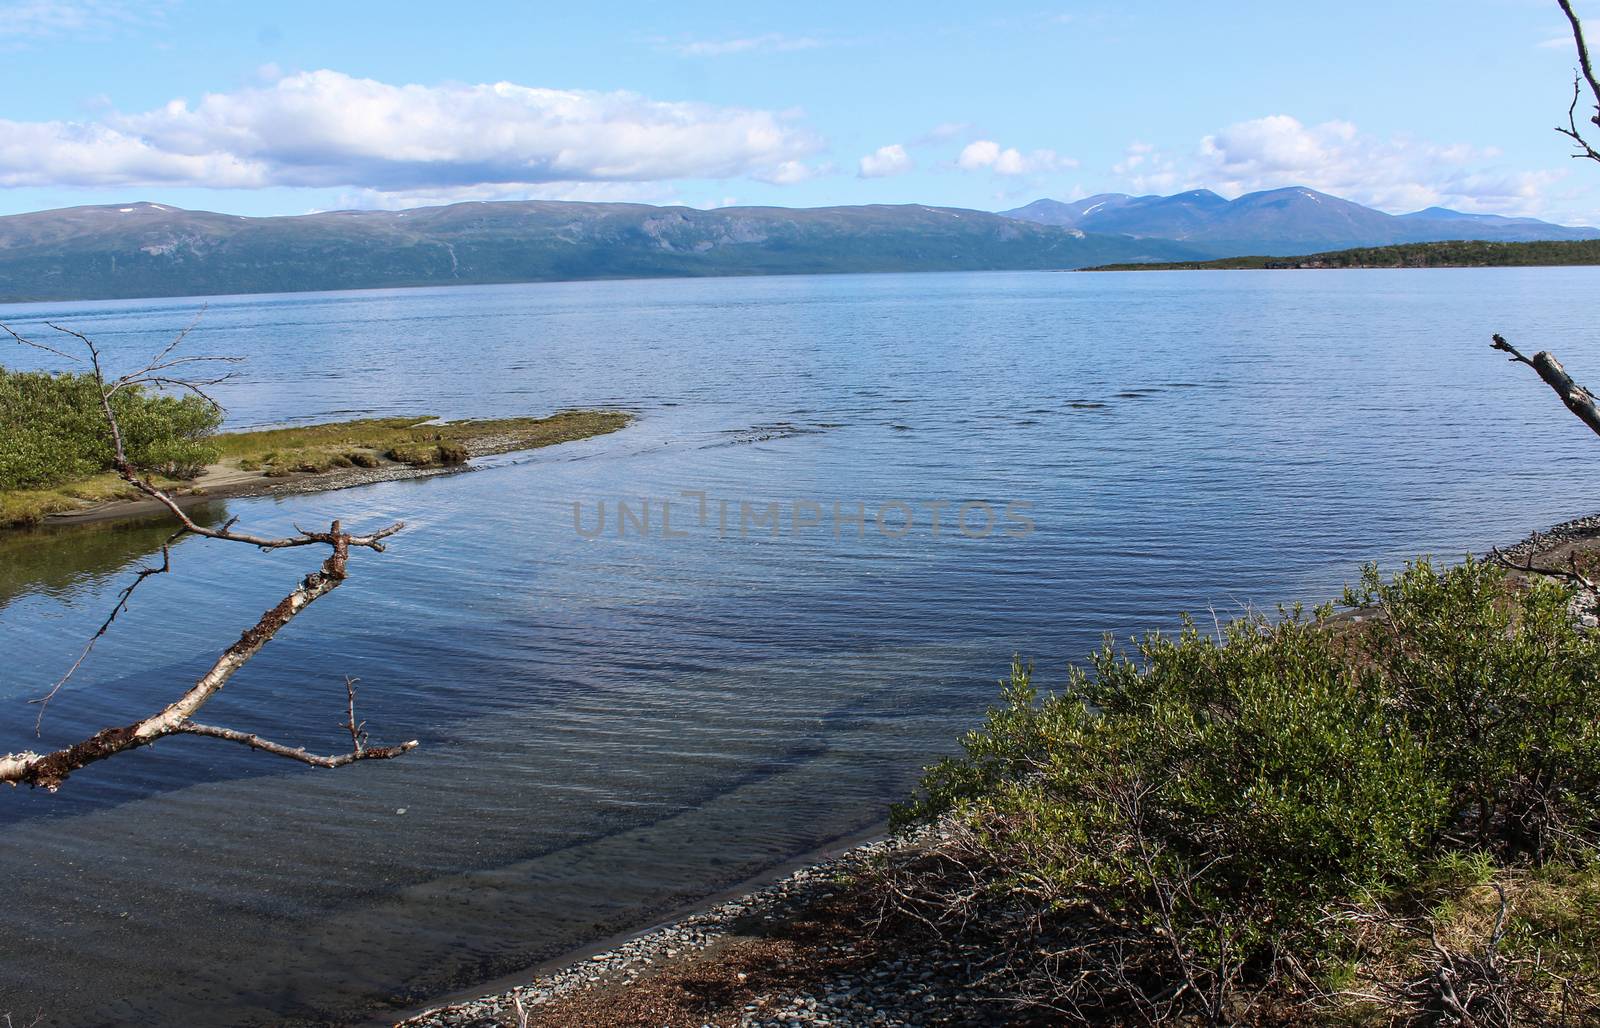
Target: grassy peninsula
[(179, 450), (1463, 254)]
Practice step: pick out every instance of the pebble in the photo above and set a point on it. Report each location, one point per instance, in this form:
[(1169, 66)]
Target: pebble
[(925, 990)]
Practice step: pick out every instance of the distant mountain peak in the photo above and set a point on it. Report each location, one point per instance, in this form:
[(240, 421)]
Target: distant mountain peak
[(1285, 220)]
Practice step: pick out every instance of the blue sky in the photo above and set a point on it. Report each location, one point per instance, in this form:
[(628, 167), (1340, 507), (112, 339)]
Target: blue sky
[(293, 106)]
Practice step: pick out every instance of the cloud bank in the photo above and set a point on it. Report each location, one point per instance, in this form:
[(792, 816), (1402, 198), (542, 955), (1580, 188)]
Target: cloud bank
[(986, 154), (1397, 173), (328, 129)]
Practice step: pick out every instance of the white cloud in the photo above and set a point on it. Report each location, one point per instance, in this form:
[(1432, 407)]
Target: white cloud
[(64, 153), (790, 172), (43, 19), (943, 133), (592, 192), (987, 154), (1398, 173), (885, 161), (325, 128), (771, 42)]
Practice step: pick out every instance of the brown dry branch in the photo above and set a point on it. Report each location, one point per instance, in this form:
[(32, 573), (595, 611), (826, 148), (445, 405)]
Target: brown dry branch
[(51, 769), (1570, 574), (1065, 952), (1475, 988), (1584, 74)]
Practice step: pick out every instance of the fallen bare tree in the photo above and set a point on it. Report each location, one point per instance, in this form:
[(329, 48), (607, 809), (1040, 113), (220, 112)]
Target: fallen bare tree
[(1577, 399), (170, 372)]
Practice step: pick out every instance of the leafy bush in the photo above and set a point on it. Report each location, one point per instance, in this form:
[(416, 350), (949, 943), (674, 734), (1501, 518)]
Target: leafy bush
[(1503, 688), (52, 430), (1210, 804)]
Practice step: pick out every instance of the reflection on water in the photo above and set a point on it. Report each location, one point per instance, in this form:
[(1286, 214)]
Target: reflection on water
[(55, 561), (614, 725)]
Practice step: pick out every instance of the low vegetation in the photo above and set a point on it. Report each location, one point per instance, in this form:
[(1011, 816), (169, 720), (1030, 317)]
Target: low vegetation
[(1457, 254), (418, 441), (54, 457), (1390, 817), (52, 430)]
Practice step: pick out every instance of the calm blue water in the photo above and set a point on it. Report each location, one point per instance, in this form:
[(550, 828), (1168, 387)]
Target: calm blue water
[(613, 726)]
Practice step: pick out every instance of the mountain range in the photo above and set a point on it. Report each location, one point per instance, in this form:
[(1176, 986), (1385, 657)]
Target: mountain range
[(1279, 222), (147, 249), (150, 249)]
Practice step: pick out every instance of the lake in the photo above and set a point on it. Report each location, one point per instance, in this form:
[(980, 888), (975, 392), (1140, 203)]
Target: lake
[(617, 723)]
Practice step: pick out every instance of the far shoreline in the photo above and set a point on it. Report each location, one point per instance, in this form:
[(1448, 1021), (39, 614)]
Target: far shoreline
[(1576, 253), (307, 459)]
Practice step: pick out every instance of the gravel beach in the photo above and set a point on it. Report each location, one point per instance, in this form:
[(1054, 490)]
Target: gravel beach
[(801, 951)]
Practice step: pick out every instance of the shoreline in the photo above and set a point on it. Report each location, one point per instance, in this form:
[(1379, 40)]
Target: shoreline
[(1454, 253), (776, 955), (837, 851), (664, 973), (295, 484), (323, 458)]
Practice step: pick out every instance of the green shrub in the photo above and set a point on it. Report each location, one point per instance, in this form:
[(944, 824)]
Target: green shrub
[(1222, 792), (1505, 689), (1214, 803), (52, 430)]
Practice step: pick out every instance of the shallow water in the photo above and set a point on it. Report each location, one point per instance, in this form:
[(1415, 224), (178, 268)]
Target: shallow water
[(616, 725)]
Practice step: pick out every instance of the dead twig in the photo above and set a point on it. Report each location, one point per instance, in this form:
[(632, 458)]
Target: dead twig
[(1570, 574), (1584, 74), (49, 770), (121, 605)]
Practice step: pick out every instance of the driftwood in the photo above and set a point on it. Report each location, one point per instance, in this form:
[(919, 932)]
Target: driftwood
[(49, 770)]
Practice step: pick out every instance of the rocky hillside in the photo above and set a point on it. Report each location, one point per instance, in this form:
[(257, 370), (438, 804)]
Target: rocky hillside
[(146, 249)]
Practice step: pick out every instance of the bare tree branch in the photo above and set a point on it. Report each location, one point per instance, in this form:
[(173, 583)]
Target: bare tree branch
[(126, 470), (49, 770), (121, 605), (1579, 400), (177, 340), (1584, 74), (1570, 575), (358, 737), (40, 346)]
